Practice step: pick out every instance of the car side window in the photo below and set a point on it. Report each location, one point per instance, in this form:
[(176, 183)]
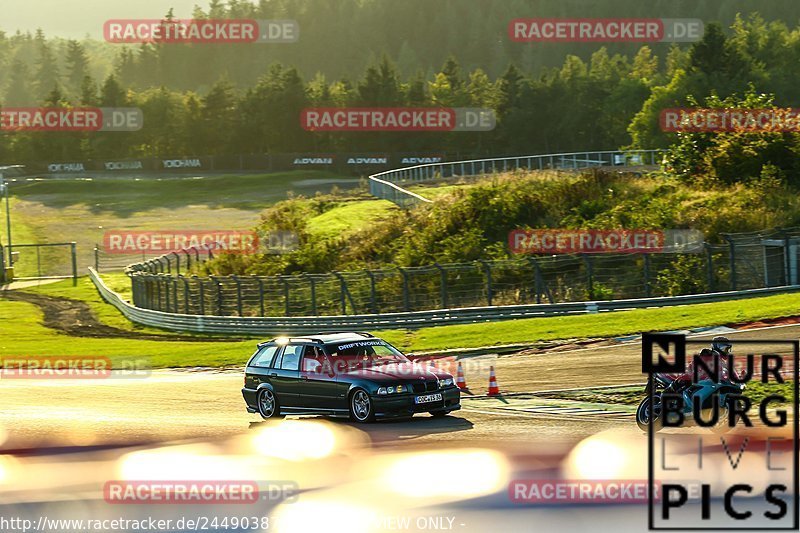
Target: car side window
[(291, 357), (265, 356), (314, 360)]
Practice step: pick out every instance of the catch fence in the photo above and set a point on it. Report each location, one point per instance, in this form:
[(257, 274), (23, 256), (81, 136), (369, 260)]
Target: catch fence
[(745, 261)]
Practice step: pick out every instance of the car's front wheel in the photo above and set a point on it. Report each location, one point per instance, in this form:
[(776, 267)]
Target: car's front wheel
[(361, 409), (268, 404)]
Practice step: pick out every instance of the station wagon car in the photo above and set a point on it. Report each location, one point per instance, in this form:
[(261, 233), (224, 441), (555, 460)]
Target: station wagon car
[(352, 375)]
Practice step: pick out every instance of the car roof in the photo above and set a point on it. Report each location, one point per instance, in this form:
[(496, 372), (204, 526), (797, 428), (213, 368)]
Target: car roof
[(327, 338)]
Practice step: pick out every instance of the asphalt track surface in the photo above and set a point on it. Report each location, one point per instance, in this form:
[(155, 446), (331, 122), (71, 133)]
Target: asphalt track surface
[(170, 405), (61, 441)]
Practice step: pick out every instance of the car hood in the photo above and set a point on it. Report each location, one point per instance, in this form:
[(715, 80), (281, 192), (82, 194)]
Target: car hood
[(397, 372)]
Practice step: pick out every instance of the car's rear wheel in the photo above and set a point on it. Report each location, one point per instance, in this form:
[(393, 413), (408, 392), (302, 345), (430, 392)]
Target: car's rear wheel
[(268, 404), (361, 409)]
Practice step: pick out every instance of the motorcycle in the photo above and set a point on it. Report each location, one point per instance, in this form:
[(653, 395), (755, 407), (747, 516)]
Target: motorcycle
[(725, 391)]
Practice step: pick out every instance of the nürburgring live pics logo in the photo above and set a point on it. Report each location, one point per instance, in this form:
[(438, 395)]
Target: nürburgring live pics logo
[(733, 465)]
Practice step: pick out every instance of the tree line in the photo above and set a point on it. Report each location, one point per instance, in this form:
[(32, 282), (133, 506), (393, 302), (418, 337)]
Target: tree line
[(604, 101)]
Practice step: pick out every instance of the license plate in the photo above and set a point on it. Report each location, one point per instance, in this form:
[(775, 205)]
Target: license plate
[(429, 398)]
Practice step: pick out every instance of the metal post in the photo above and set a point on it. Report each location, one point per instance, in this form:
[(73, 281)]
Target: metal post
[(342, 292), (2, 265), (732, 247), (185, 294), (166, 294), (647, 289), (96, 258), (74, 264), (372, 296), (442, 284), (177, 263), (202, 296), (537, 271), (406, 299), (8, 220), (158, 293), (286, 294), (238, 295), (313, 286), (589, 276), (261, 295), (220, 307), (786, 261), (709, 267), (488, 269)]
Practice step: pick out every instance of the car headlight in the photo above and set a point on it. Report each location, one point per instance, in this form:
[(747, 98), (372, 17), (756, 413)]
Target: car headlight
[(395, 389), (445, 382)]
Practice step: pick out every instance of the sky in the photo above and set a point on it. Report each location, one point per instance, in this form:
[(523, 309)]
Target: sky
[(75, 19)]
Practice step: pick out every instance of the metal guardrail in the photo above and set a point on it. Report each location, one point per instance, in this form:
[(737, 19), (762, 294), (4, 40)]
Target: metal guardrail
[(387, 185), (318, 324)]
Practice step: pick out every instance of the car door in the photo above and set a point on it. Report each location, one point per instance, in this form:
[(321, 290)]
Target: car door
[(284, 375), (317, 380)]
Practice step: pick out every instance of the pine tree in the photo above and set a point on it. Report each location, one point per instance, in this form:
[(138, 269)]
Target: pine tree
[(77, 65)]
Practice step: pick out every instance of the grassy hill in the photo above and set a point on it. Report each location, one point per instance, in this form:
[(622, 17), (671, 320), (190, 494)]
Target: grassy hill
[(82, 210), (472, 221)]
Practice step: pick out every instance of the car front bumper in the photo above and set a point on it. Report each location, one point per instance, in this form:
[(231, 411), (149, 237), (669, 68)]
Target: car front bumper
[(403, 405)]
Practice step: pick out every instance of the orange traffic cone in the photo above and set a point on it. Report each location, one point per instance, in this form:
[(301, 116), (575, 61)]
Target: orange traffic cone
[(494, 390), (460, 381)]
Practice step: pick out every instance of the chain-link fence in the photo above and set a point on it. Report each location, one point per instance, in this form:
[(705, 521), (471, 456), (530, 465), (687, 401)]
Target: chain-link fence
[(744, 261), (38, 261)]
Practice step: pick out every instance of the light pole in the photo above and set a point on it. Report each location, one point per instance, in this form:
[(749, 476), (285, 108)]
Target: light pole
[(4, 186)]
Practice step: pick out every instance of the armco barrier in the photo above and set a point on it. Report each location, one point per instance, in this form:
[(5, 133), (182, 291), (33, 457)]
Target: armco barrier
[(317, 324), (387, 185)]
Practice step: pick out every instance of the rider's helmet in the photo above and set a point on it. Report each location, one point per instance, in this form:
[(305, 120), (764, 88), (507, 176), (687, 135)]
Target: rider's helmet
[(721, 345)]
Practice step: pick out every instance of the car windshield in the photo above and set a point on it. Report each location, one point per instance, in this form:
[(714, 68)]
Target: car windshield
[(367, 354)]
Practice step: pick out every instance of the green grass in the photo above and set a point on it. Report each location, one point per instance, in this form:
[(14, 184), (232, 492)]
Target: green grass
[(48, 211), (23, 232), (86, 291), (530, 330), (22, 334), (126, 197), (349, 217), (432, 193), (600, 325)]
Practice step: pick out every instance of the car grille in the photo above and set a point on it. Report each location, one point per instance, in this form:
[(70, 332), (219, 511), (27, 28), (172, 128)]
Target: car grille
[(423, 387)]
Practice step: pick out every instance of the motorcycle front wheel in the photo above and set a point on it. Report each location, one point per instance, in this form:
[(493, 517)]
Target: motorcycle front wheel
[(643, 413)]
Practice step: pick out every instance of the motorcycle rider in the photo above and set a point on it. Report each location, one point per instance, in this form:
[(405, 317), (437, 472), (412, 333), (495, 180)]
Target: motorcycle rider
[(721, 348)]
